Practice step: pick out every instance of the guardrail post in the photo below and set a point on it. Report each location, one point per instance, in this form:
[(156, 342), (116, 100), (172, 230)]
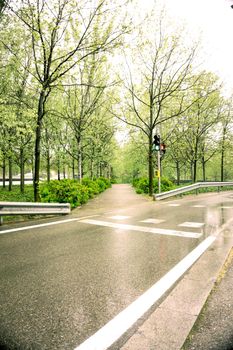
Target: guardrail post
[(1, 220)]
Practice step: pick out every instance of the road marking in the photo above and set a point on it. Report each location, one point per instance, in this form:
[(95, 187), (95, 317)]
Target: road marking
[(119, 217), (159, 231), (174, 205), (192, 224), (115, 328), (225, 207), (152, 221), (44, 225), (199, 206)]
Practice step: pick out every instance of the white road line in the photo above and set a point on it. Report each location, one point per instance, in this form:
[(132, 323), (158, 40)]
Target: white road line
[(192, 224), (44, 225), (153, 221), (159, 231), (119, 217), (115, 328), (174, 205), (225, 207), (199, 206)]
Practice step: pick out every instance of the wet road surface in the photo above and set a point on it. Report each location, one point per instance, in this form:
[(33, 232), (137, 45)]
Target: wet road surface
[(62, 283)]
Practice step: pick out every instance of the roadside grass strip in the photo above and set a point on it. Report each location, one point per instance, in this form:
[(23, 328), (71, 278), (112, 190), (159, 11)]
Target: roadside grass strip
[(159, 231), (114, 329)]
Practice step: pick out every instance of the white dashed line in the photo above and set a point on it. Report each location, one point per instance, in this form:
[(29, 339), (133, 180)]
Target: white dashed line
[(174, 205), (115, 328), (158, 231), (192, 224), (152, 221), (225, 207)]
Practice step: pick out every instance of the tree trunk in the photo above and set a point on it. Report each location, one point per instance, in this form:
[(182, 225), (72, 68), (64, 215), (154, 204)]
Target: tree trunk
[(10, 174), (100, 169), (177, 173), (92, 169), (203, 169), (48, 166), (73, 168), (195, 163), (194, 170), (4, 171), (22, 170), (223, 153), (79, 159), (41, 112)]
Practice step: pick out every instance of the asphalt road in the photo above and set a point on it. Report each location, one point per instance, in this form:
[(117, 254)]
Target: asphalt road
[(62, 282)]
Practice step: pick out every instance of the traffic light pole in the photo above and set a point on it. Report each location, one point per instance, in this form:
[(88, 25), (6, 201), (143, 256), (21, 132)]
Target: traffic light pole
[(159, 168)]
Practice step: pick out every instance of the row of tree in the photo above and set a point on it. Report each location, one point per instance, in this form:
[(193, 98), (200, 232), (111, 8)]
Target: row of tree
[(54, 81), (71, 69)]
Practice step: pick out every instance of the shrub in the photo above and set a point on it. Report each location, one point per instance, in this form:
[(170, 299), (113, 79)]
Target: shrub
[(142, 185), (72, 191), (166, 185), (101, 184), (106, 181), (93, 188), (64, 191)]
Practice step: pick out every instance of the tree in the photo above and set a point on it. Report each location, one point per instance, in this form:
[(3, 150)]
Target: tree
[(157, 85), (200, 118), (226, 122), (63, 34)]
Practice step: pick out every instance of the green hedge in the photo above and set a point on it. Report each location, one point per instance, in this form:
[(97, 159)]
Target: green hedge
[(72, 191), (142, 185)]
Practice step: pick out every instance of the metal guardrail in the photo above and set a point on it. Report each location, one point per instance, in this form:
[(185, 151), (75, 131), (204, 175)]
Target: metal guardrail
[(189, 188), (30, 208)]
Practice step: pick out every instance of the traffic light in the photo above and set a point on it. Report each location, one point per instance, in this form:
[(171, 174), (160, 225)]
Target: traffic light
[(156, 142), (163, 148)]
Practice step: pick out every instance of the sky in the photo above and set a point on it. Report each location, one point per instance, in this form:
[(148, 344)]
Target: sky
[(212, 22)]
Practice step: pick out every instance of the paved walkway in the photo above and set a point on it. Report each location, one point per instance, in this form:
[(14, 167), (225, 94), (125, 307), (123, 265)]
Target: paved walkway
[(214, 326)]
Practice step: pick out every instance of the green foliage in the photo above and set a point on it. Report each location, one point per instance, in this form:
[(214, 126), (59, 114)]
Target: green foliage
[(166, 185), (93, 188), (15, 195), (142, 185), (71, 191), (107, 182)]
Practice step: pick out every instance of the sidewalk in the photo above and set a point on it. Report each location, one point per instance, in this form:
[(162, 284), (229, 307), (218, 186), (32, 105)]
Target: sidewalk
[(214, 326)]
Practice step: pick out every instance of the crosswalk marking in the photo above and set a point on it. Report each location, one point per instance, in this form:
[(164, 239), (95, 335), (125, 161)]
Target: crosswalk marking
[(199, 206), (119, 217), (143, 229), (152, 221), (192, 224)]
